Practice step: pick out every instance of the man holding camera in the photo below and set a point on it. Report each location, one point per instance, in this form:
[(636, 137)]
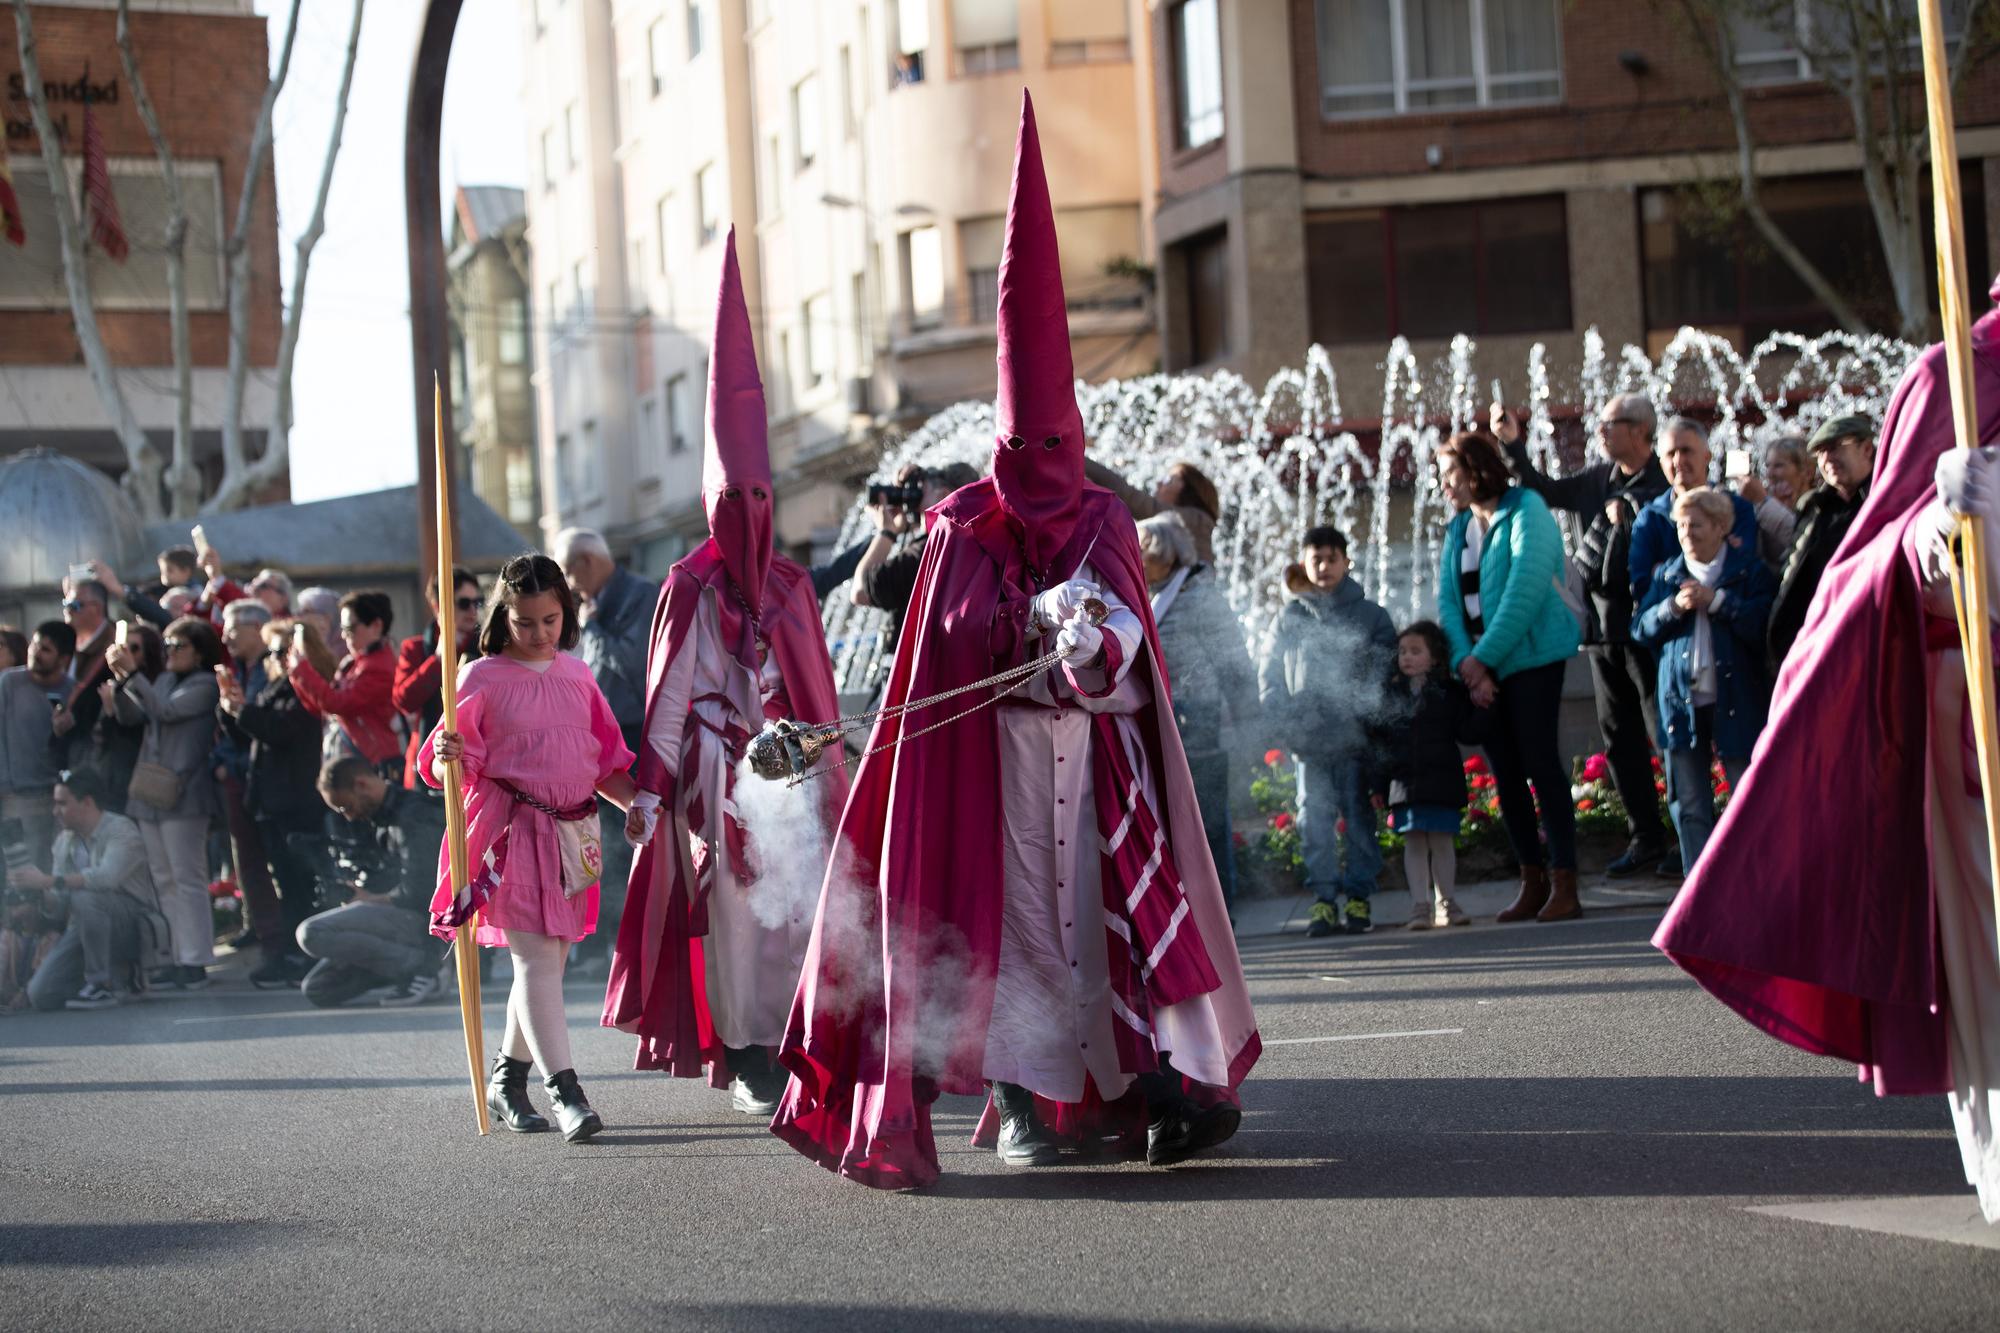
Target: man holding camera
[(100, 867), (380, 938), (886, 577), (29, 698)]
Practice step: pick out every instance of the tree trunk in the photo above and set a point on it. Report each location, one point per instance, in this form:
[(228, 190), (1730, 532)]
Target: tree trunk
[(183, 477), (238, 487), (142, 461)]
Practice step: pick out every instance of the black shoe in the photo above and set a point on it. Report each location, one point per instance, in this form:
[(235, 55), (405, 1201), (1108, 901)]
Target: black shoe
[(573, 1114), (1324, 921), (759, 1084), (1635, 860), (165, 978), (241, 940), (1024, 1140), (1187, 1129), (1670, 868), (507, 1097), (279, 970), (1357, 919), (194, 978)]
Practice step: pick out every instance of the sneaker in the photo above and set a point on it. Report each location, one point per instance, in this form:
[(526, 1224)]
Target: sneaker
[(194, 978), (420, 989), (1635, 860), (280, 970), (1422, 917), (1324, 921), (91, 997), (165, 978), (1358, 921), (1454, 915)]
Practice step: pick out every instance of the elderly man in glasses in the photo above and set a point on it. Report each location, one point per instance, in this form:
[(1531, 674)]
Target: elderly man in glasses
[(1603, 500)]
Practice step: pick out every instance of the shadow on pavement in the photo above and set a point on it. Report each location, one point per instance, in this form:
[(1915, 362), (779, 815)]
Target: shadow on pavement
[(116, 1245)]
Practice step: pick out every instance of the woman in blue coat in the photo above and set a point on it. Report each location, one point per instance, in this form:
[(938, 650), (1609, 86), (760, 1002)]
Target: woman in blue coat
[(1704, 616), (1512, 633)]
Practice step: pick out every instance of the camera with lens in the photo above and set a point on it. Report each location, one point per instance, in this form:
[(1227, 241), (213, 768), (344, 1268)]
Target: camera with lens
[(339, 857), (906, 494)]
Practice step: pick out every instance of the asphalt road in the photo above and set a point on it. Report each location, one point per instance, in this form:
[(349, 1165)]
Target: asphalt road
[(1525, 1127)]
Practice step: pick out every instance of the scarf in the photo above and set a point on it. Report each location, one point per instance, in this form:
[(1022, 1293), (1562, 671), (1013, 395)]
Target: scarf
[(1701, 646), (1169, 590)]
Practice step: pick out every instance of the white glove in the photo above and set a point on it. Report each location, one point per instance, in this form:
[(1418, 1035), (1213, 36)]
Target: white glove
[(1966, 481), (646, 805), (1080, 641), (1053, 608)]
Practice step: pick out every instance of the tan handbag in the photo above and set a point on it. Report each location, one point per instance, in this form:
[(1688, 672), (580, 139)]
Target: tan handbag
[(155, 785), (582, 853)]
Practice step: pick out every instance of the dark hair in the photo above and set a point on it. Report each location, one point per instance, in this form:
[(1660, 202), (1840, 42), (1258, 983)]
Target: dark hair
[(1479, 454), (59, 634), (1197, 491), (341, 774), (17, 643), (1324, 535), (460, 576), (152, 648), (84, 784), (200, 636), (370, 606), (95, 589), (954, 476), (1433, 636), (526, 576), (182, 557)]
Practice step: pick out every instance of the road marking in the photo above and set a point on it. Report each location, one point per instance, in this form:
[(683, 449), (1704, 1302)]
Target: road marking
[(1952, 1218), (1365, 1036)]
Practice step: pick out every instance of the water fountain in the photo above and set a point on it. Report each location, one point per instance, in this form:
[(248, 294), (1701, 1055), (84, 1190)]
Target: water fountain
[(1289, 456)]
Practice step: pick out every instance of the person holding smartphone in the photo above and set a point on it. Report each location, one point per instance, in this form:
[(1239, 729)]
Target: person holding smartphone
[(30, 697)]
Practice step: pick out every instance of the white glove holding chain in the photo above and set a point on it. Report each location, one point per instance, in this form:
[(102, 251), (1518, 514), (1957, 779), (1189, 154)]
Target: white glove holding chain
[(646, 808), (1080, 641), (1052, 609)]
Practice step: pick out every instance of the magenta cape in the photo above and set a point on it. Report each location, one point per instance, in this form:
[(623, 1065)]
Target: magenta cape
[(897, 991), (658, 989), (1811, 913)]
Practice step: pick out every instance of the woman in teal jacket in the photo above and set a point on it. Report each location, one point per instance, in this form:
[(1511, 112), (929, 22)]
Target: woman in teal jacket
[(1502, 604)]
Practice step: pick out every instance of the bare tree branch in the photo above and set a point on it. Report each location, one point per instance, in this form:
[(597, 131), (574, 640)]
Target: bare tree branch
[(183, 478), (1974, 44), (142, 461), (276, 458), (239, 254)]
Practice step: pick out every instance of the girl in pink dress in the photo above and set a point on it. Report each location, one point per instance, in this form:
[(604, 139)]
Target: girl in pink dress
[(536, 741)]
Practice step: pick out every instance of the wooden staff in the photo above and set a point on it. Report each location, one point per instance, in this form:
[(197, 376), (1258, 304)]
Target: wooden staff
[(1975, 626), (465, 952)]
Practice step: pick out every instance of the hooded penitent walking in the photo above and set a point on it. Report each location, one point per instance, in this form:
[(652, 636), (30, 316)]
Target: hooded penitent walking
[(720, 908), (1020, 898), (1867, 931)]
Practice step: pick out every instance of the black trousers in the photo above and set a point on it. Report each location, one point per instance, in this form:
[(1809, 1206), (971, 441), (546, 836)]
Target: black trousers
[(1625, 680), (1521, 745), (292, 871)]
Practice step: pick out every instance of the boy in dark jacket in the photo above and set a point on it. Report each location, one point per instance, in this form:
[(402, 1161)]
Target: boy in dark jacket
[(1320, 683)]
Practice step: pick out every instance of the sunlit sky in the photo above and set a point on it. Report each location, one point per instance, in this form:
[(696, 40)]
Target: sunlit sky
[(354, 414)]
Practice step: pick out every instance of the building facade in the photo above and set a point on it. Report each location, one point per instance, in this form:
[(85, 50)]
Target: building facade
[(493, 403), (1343, 172), (863, 153), (205, 63)]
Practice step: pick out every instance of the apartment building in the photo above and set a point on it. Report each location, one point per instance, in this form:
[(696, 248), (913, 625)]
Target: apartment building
[(863, 151), (493, 404), (1345, 171)]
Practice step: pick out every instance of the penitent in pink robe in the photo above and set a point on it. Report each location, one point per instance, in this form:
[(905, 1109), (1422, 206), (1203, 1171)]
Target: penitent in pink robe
[(551, 734)]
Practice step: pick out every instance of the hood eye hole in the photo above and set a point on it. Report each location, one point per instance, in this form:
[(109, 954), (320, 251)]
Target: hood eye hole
[(756, 492), (1016, 442), (1053, 442), (732, 493)]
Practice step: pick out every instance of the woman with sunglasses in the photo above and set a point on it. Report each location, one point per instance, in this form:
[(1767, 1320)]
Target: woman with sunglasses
[(419, 669), (172, 795)]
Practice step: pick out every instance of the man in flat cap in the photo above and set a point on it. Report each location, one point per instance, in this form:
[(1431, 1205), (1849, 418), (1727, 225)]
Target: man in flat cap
[(1844, 450)]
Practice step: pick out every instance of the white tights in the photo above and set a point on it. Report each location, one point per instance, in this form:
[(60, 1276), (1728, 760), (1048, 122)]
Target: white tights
[(536, 1028), (1430, 859)]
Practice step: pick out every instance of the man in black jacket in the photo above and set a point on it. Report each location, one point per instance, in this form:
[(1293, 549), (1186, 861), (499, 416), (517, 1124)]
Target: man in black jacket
[(1844, 449), (1602, 501), (389, 857)]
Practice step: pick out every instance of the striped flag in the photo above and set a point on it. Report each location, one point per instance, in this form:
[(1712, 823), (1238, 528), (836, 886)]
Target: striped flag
[(98, 201), (11, 225)]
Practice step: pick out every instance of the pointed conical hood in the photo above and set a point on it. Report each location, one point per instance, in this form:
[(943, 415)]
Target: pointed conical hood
[(1038, 456), (736, 465)]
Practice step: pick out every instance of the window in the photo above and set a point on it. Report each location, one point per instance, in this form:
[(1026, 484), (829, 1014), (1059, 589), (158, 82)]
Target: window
[(923, 277), (1197, 48), (980, 241), (987, 34), (656, 55), (850, 114), (697, 19), (781, 401), (678, 430), (1496, 266), (1379, 57), (31, 278), (707, 207), (805, 121), (522, 500), (819, 340), (1203, 264), (1094, 241), (514, 333), (1087, 30), (1718, 272), (649, 426), (913, 39), (572, 132), (1781, 43), (548, 159)]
